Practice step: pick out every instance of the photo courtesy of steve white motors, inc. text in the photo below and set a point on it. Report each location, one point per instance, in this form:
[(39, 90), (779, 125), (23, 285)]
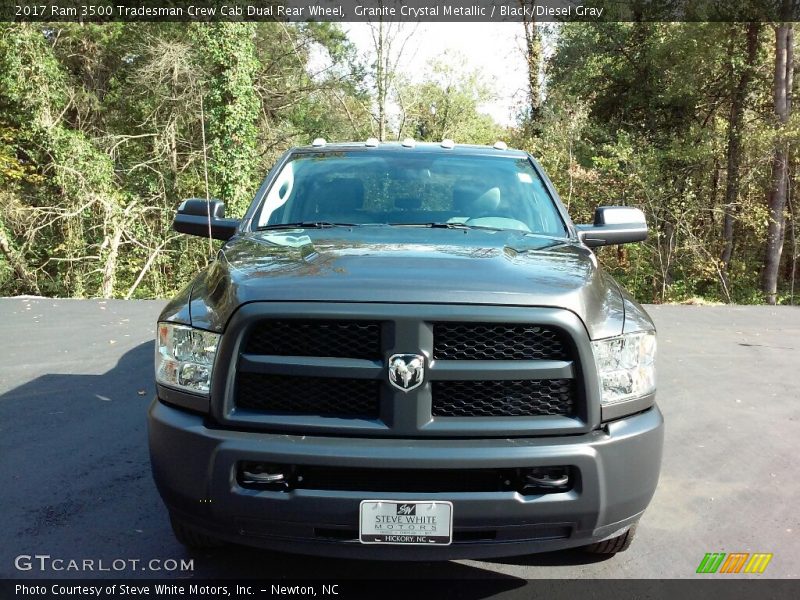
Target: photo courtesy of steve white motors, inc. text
[(173, 590)]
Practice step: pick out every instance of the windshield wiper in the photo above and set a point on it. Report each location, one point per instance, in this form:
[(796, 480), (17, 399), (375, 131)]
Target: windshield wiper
[(305, 225), (440, 225)]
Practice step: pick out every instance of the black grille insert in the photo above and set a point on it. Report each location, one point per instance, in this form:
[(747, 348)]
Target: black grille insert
[(498, 341), (387, 480), (315, 337), (533, 398), (330, 397)]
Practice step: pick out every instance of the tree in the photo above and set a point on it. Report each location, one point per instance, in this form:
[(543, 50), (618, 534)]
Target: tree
[(226, 53), (739, 96), (101, 137), (37, 95), (776, 198), (667, 106), (389, 42), (533, 58), (447, 105)]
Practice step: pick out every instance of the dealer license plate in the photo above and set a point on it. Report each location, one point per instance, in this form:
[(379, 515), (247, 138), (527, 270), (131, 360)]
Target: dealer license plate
[(415, 523)]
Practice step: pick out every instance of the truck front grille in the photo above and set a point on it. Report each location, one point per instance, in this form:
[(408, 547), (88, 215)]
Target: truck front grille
[(308, 395), (308, 337), (503, 398), (488, 370), (498, 341)]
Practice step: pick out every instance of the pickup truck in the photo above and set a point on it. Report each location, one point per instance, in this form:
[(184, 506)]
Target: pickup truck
[(406, 351)]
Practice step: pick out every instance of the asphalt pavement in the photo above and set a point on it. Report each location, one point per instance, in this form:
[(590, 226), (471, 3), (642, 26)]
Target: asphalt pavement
[(76, 380)]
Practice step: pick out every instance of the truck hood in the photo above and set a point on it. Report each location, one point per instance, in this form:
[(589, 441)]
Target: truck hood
[(404, 265)]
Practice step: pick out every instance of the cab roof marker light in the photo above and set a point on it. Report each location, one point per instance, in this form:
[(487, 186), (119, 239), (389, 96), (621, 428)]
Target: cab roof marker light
[(409, 143), (371, 143), (498, 145), (447, 143), (318, 142)]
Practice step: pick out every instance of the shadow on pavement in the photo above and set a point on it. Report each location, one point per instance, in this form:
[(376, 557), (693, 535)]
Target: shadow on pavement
[(553, 559), (243, 562)]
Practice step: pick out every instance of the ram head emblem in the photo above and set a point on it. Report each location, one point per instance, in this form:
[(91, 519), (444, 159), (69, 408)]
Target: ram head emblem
[(406, 371)]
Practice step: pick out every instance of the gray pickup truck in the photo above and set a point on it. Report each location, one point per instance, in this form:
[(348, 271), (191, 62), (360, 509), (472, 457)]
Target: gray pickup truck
[(406, 351)]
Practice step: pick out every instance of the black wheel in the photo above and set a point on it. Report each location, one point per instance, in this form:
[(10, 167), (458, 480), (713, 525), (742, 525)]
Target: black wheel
[(191, 538), (614, 545)]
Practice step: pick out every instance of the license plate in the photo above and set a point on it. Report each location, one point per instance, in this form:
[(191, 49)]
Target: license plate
[(415, 523)]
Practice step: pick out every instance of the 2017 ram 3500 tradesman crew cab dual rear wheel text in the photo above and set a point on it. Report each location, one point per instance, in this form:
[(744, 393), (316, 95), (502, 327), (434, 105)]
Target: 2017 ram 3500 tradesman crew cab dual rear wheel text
[(406, 351)]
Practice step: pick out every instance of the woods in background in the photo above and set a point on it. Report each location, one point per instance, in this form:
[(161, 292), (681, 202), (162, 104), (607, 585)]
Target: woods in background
[(104, 129), (693, 123)]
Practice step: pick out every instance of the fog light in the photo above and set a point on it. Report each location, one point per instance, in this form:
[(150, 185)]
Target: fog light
[(250, 477), (263, 476), (546, 479)]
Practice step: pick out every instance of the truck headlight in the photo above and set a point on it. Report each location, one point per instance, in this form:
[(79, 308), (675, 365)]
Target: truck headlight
[(626, 366), (185, 357)]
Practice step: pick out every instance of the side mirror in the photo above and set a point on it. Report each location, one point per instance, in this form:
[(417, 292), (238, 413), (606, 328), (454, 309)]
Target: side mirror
[(614, 225), (195, 214)]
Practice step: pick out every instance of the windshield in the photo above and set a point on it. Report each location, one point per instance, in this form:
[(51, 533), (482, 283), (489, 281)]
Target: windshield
[(418, 188)]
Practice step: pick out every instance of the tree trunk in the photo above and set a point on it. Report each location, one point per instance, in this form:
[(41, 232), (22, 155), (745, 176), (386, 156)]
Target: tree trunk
[(389, 41), (533, 57), (735, 146), (793, 245), (110, 264), (18, 263), (776, 198), (381, 82), (715, 176)]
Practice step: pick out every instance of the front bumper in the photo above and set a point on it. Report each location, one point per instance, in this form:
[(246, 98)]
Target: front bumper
[(194, 467)]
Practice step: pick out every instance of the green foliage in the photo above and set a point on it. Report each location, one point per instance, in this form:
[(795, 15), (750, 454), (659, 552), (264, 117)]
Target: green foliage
[(637, 114), (226, 54), (101, 137), (102, 130), (446, 105), (34, 93)]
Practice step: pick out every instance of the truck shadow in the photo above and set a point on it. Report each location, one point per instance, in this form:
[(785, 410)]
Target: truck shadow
[(76, 464), (240, 561), (562, 558)]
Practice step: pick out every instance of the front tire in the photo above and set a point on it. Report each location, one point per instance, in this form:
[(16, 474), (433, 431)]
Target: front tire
[(613, 545)]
